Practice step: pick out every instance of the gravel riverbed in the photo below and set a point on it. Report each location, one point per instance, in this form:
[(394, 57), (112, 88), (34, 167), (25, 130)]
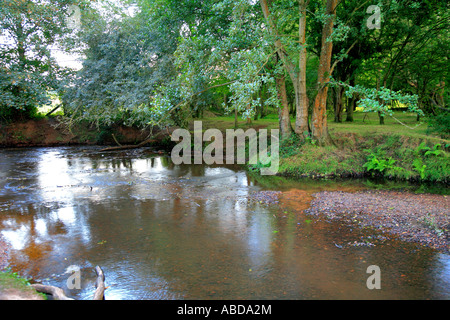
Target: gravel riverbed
[(420, 218)]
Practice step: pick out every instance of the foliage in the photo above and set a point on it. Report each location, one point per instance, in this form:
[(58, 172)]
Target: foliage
[(419, 167), (28, 71), (126, 60), (289, 146), (373, 100), (440, 124), (380, 165)]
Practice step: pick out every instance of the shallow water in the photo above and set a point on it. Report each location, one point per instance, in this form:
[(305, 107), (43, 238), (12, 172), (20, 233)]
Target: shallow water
[(161, 231)]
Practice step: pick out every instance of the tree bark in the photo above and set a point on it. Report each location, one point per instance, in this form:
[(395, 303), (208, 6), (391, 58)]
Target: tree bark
[(381, 118), (297, 75), (350, 109), (283, 111), (55, 292), (319, 127), (100, 285), (301, 118), (339, 104)]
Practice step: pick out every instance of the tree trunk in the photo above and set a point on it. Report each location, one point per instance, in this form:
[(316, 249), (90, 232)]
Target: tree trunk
[(296, 74), (381, 118), (283, 112), (319, 127), (55, 292), (351, 104), (338, 104), (301, 118), (350, 109), (262, 100)]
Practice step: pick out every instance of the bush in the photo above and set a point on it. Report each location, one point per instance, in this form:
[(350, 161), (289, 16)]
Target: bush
[(440, 124), (10, 114)]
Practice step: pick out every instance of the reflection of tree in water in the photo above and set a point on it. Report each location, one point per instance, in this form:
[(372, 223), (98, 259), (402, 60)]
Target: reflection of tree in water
[(44, 237)]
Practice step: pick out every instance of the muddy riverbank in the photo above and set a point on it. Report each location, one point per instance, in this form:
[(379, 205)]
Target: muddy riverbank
[(53, 132)]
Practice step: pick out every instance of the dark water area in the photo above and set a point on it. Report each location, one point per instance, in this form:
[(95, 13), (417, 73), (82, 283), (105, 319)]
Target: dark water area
[(161, 231)]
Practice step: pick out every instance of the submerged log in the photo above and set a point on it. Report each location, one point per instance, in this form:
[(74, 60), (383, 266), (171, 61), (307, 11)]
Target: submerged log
[(57, 293)]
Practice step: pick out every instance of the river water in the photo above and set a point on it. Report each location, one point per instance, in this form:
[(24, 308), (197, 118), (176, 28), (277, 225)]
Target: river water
[(161, 231)]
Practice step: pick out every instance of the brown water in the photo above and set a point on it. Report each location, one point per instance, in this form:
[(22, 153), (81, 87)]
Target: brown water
[(161, 231)]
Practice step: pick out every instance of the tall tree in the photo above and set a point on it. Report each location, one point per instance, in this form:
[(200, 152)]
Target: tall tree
[(319, 126), (127, 59), (29, 31), (296, 73)]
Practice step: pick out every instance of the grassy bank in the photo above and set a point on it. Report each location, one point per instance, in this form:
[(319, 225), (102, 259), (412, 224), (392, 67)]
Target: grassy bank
[(14, 287), (400, 151)]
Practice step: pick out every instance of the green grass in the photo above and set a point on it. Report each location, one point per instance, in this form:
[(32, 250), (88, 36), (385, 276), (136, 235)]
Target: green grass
[(368, 123)]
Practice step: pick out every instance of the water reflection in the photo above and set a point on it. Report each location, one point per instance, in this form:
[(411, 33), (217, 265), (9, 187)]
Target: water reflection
[(161, 231)]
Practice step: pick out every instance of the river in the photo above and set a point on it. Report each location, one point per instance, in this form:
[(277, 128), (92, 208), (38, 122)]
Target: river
[(161, 231)]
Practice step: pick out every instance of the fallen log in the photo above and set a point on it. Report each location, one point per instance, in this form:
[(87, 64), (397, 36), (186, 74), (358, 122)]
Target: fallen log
[(55, 292), (152, 139), (58, 293), (99, 293), (53, 110)]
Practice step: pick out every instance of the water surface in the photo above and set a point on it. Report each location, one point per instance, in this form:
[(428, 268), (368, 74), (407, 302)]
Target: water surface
[(161, 231)]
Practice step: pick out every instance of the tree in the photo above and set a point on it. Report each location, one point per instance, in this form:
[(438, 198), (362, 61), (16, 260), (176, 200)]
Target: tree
[(319, 126), (297, 74), (28, 71), (409, 52), (127, 59)]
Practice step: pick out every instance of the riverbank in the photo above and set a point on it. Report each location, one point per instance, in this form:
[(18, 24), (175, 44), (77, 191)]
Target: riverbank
[(53, 132), (418, 218), (392, 156), (423, 219), (405, 152)]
